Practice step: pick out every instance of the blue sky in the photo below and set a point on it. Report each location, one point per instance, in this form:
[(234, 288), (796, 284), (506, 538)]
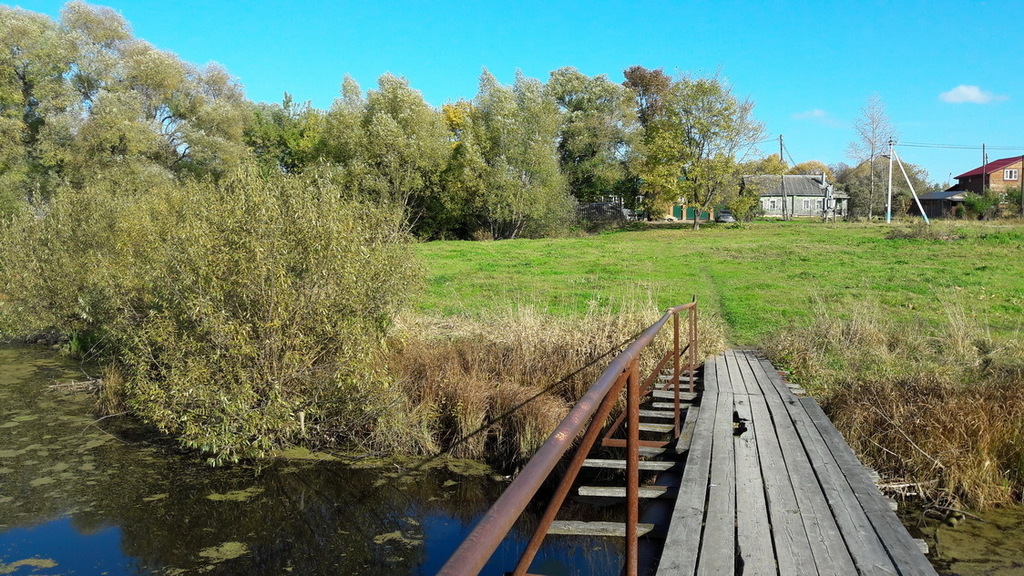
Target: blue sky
[(948, 71)]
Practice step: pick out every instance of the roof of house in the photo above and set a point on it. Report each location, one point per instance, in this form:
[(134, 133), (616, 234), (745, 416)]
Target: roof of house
[(953, 195), (796, 185), (991, 167)]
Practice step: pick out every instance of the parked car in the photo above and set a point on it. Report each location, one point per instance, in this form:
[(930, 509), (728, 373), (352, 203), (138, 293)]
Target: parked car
[(725, 217)]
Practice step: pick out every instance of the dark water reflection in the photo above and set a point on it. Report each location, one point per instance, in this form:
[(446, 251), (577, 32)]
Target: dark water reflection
[(81, 497)]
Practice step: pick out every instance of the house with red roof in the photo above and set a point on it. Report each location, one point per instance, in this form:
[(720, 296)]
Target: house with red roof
[(998, 175)]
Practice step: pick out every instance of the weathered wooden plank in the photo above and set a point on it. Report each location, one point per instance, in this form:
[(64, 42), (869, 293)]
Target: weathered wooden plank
[(648, 452), (663, 414), (792, 548), (753, 530), (793, 551), (657, 465), (669, 405), (682, 542), (718, 546), (686, 430), (609, 529), (831, 555), (669, 394), (620, 491), (739, 386), (654, 427), (901, 546), (863, 543)]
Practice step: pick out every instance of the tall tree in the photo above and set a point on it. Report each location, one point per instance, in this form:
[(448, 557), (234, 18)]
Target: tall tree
[(516, 128), (596, 131), (874, 130), (286, 136), (36, 103), (813, 167), (81, 99), (856, 181), (657, 159), (717, 129), (406, 146)]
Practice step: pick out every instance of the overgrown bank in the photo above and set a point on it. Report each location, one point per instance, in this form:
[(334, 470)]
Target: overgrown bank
[(237, 316), (937, 408)]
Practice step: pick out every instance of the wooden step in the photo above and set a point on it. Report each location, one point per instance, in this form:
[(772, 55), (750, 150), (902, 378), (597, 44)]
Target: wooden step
[(620, 491), (613, 529), (669, 405), (668, 415), (659, 465), (651, 427), (666, 374), (648, 452), (670, 395)]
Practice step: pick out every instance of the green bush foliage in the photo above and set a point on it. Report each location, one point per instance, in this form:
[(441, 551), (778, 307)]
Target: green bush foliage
[(243, 314)]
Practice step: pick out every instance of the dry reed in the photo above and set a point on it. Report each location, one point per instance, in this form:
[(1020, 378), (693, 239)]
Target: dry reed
[(495, 388), (936, 406)]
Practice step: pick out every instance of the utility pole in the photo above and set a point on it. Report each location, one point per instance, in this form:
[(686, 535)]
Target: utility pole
[(984, 170), (783, 179), (888, 200)]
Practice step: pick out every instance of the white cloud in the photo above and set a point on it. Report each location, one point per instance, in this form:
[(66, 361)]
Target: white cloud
[(970, 94), (816, 114)]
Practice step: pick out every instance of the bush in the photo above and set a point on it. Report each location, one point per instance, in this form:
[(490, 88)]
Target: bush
[(243, 315)]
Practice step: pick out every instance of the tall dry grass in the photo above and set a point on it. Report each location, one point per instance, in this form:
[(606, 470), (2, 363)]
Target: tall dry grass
[(495, 388), (941, 406)]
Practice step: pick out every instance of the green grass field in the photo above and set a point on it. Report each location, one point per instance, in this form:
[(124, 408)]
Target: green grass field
[(757, 277)]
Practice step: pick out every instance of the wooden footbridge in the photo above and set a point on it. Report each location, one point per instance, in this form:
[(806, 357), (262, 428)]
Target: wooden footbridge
[(727, 469)]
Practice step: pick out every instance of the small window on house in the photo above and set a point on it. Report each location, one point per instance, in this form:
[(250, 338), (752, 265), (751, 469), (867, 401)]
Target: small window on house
[(818, 204), (1010, 174), (773, 204), (807, 204)]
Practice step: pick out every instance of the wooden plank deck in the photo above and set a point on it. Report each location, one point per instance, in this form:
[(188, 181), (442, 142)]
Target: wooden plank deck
[(770, 487)]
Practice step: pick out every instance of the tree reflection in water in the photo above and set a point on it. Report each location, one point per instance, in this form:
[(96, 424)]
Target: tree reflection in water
[(112, 497)]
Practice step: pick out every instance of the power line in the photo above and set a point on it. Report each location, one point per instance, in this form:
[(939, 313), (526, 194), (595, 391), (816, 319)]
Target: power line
[(957, 146)]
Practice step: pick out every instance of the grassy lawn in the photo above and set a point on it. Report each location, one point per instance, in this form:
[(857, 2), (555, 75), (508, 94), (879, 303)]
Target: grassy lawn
[(757, 277)]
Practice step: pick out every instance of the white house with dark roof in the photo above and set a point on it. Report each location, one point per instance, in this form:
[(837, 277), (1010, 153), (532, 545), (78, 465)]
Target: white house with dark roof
[(804, 195)]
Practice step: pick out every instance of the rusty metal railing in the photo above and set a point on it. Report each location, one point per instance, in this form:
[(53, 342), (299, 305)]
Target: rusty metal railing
[(594, 408)]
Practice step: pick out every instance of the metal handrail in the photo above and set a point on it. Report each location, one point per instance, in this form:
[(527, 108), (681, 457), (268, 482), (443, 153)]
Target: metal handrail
[(594, 407)]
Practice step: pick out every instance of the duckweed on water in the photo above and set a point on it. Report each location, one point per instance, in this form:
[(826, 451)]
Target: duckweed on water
[(33, 562), (226, 551)]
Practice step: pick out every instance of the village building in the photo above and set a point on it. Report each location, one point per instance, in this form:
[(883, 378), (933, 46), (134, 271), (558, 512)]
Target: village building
[(801, 194), (999, 176)]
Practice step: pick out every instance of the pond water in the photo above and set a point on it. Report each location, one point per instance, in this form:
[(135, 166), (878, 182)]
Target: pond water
[(80, 496), (988, 543)]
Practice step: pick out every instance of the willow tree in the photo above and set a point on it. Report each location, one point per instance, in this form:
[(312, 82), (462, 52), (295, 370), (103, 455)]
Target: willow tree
[(516, 129), (81, 99), (405, 147), (597, 129)]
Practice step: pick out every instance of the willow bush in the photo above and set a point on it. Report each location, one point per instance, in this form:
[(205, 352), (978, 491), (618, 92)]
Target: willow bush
[(242, 315)]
